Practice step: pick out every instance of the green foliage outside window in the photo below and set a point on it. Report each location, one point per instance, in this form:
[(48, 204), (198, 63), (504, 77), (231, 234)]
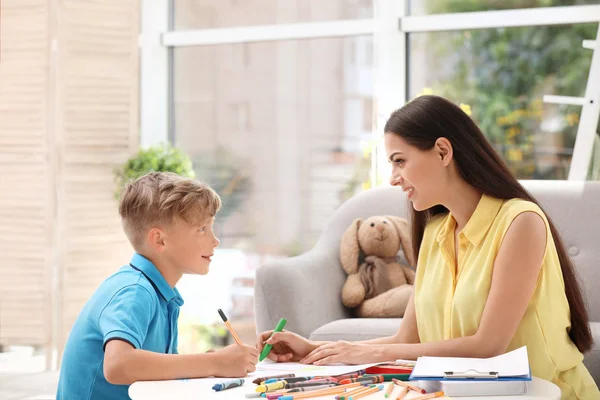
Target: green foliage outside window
[(504, 73), (158, 158)]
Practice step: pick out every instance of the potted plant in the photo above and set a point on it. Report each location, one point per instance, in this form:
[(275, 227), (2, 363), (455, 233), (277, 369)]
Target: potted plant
[(159, 158)]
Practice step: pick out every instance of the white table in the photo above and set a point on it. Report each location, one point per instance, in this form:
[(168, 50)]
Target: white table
[(195, 389)]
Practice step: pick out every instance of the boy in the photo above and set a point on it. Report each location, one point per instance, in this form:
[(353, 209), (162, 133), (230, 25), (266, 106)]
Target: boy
[(127, 331)]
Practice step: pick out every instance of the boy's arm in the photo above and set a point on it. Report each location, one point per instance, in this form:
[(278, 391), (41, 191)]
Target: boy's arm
[(123, 364), (124, 322)]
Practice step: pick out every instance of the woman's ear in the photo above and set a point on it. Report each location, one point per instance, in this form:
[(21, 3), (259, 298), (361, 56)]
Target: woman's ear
[(444, 150)]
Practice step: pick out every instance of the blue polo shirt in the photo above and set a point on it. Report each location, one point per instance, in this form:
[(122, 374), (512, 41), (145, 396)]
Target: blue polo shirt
[(136, 305)]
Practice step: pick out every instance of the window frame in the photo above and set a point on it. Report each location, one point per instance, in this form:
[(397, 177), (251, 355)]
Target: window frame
[(390, 28)]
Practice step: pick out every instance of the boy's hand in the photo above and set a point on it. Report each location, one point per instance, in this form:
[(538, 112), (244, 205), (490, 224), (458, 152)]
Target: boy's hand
[(236, 361), (287, 346)]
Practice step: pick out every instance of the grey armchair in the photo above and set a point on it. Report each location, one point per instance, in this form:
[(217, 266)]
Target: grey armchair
[(306, 290)]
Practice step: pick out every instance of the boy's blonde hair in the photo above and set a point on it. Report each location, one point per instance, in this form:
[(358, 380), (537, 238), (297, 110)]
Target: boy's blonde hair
[(158, 198)]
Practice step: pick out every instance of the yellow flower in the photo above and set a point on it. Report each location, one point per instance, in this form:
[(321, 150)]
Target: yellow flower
[(466, 108), (515, 155), (514, 131), (572, 119)]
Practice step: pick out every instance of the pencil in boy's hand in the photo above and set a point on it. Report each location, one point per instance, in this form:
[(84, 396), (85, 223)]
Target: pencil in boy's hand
[(228, 325)]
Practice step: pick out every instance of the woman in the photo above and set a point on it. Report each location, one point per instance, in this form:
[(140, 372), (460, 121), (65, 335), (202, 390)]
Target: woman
[(492, 272)]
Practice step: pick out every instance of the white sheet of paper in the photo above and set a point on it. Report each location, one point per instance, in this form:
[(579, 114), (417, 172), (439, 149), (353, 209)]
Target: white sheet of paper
[(309, 370), (511, 364), (183, 389), (193, 388)]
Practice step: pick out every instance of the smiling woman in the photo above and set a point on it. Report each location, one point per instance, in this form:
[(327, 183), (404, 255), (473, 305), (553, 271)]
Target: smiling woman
[(485, 248)]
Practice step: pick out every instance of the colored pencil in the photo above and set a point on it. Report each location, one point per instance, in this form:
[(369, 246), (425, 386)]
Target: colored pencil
[(408, 385), (389, 390), (229, 327)]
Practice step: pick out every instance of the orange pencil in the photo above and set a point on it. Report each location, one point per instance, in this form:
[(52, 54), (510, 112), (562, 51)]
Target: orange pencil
[(402, 393), (365, 393), (429, 396), (389, 390), (408, 385), (325, 392), (309, 395), (228, 325), (354, 392), (346, 386)]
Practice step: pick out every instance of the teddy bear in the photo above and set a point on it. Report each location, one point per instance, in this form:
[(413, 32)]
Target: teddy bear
[(377, 286)]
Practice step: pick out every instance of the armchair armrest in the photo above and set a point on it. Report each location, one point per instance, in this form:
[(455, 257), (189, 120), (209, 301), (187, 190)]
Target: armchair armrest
[(305, 290)]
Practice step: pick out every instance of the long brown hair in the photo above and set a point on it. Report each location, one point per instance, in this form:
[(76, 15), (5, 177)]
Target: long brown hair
[(425, 119)]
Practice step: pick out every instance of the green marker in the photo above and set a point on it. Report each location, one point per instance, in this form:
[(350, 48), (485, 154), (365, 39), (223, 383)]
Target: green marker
[(267, 349)]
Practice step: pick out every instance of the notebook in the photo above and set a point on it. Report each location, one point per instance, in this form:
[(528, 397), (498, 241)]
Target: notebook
[(388, 369), (397, 367), (513, 365)]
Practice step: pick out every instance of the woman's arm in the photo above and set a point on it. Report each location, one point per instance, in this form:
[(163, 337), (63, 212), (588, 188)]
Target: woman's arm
[(407, 332), (516, 270)]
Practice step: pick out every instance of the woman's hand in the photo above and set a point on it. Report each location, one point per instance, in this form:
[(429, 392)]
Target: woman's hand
[(287, 346), (345, 352)]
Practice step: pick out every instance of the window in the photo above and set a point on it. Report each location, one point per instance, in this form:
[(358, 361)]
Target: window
[(367, 114), (424, 7), (201, 14), (502, 75), (281, 140)]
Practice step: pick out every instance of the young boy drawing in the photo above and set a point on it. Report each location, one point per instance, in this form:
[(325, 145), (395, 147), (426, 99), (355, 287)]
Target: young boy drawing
[(127, 331)]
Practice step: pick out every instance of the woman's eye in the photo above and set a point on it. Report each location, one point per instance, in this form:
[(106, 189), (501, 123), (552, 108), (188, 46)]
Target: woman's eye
[(398, 161), (202, 230)]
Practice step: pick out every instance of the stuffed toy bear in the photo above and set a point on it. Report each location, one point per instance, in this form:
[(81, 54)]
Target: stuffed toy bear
[(377, 286)]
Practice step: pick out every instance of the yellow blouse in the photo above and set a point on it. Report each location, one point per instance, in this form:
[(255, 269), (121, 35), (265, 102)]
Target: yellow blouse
[(449, 299)]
